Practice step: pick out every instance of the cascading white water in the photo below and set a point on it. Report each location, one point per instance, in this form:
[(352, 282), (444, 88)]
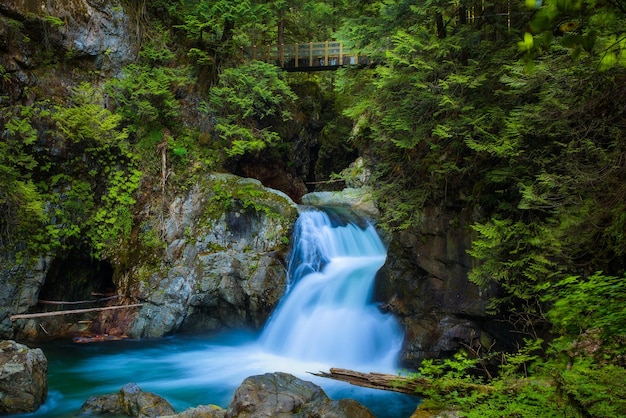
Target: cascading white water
[(328, 314), (327, 318)]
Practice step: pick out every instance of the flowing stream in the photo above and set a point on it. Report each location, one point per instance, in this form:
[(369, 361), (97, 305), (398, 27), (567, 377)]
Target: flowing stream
[(327, 318)]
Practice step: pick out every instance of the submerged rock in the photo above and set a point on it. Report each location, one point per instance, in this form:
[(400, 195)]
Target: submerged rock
[(284, 395), (23, 380), (202, 411), (129, 401)]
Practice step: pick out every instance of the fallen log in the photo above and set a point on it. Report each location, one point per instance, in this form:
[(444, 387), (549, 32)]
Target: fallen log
[(76, 302), (374, 380), (72, 311), (419, 386)]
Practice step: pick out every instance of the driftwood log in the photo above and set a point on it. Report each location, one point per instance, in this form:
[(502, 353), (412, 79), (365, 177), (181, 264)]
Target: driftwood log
[(418, 386), (69, 312)]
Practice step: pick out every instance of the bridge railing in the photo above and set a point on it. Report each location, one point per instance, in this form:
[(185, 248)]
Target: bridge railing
[(306, 56)]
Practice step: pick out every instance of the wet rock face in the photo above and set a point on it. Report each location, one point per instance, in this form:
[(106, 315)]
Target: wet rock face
[(19, 291), (282, 395), (23, 379), (424, 283), (98, 29), (129, 401)]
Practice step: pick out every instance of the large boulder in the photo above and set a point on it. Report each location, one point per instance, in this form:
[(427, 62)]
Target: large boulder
[(281, 395), (224, 261), (129, 401), (23, 379)]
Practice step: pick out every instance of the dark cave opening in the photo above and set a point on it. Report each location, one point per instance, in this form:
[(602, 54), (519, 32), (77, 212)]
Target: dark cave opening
[(77, 277)]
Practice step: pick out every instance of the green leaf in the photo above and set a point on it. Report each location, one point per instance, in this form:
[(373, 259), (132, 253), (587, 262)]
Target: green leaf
[(527, 44)]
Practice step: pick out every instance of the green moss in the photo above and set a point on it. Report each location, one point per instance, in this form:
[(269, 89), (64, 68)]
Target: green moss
[(229, 191)]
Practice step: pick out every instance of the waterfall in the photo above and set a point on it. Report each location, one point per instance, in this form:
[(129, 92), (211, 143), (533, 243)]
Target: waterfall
[(328, 314), (327, 318)]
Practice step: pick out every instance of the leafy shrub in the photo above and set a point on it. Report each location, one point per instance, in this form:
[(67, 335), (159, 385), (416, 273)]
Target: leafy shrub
[(246, 101)]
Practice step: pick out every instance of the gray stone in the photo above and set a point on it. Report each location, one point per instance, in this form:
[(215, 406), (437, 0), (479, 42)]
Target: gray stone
[(91, 28), (23, 379), (359, 200), (19, 291), (281, 395), (201, 411), (224, 260), (129, 401)]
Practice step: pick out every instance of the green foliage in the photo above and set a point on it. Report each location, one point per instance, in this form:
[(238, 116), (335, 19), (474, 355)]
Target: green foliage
[(93, 199), (89, 126), (248, 100), (20, 203), (594, 389), (53, 21), (145, 96), (531, 148), (584, 27), (111, 223), (530, 399), (526, 386), (590, 308), (70, 204)]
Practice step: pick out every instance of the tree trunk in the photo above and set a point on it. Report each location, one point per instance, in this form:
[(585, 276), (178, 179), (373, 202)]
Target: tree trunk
[(441, 27), (73, 311)]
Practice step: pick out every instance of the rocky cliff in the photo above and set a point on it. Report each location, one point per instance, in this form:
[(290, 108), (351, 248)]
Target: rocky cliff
[(424, 283), (222, 266), (47, 46)]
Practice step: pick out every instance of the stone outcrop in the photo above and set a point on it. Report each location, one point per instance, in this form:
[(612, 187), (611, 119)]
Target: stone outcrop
[(281, 395), (19, 290), (129, 401), (425, 284), (23, 379), (359, 200), (96, 30), (222, 267)]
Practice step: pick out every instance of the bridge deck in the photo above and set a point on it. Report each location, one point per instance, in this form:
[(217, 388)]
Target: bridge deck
[(312, 56)]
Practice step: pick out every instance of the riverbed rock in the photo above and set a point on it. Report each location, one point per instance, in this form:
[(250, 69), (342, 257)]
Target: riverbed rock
[(129, 401), (201, 411), (23, 379), (281, 395)]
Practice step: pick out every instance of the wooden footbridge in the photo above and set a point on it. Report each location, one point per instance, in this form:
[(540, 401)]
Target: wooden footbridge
[(311, 56)]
